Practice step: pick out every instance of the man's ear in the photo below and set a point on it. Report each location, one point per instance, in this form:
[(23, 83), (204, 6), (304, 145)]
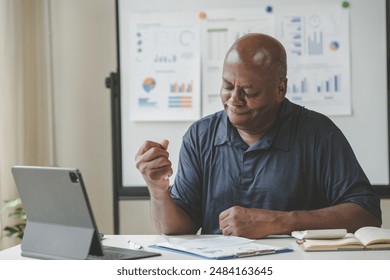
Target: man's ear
[(282, 89)]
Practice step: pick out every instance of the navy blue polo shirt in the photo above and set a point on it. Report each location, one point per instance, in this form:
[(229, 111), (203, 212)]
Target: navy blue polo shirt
[(304, 162)]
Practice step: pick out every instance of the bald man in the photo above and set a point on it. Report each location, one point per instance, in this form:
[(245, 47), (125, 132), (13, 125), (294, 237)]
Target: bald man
[(261, 166)]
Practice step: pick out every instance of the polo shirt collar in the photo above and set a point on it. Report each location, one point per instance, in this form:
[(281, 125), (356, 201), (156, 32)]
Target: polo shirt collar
[(278, 136)]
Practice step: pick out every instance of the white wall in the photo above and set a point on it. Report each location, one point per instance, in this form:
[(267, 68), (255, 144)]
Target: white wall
[(83, 45), (84, 53), (385, 205)]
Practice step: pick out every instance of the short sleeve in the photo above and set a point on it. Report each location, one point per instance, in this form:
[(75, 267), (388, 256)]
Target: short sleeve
[(341, 177), (187, 188)]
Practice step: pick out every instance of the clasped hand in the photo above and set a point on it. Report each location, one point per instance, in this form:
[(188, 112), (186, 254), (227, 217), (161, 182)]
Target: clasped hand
[(249, 222), (152, 160)]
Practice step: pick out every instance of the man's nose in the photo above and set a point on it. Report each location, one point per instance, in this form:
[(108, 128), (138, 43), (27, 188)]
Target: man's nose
[(237, 95)]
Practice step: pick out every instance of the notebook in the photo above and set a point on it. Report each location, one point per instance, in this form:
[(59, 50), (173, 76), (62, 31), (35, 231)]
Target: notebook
[(60, 221)]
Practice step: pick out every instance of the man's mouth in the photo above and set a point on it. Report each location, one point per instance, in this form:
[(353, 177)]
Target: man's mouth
[(237, 110)]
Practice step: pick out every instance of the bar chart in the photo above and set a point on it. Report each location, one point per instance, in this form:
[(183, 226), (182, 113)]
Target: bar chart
[(315, 43), (181, 87), (318, 84), (329, 85), (180, 101)]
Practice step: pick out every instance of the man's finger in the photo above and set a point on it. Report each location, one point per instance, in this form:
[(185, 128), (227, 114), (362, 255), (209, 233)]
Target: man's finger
[(164, 143), (150, 145), (224, 214)]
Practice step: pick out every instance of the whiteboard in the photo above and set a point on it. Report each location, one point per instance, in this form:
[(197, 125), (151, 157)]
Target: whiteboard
[(366, 127)]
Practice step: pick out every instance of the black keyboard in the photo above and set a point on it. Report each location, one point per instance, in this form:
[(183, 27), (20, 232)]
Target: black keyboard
[(116, 253)]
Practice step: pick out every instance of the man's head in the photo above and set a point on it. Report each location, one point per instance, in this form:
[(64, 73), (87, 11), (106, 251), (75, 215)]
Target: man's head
[(254, 82)]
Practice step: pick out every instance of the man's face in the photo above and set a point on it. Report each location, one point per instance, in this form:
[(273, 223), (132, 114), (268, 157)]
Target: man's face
[(250, 96)]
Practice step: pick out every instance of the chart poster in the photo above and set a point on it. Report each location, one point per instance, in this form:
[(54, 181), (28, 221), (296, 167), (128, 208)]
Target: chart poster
[(164, 64), (316, 38), (219, 30)]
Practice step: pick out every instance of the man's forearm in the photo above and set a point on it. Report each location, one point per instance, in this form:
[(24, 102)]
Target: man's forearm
[(350, 216), (259, 223), (168, 218)]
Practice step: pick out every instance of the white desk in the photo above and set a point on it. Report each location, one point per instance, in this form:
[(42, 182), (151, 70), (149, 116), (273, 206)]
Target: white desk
[(13, 253)]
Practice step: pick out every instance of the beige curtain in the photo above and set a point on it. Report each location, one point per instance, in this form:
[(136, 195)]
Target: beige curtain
[(26, 131)]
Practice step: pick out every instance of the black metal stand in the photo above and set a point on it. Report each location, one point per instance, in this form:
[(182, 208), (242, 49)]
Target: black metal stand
[(112, 82)]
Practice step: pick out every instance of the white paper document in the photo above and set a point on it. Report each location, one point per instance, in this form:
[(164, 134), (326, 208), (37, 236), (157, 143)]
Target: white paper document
[(220, 247), (318, 53), (164, 72)]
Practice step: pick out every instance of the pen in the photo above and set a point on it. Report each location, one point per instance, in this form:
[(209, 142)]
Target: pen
[(254, 253), (134, 246)]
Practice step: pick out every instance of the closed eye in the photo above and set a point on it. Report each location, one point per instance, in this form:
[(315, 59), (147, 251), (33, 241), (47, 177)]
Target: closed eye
[(252, 95), (226, 85)]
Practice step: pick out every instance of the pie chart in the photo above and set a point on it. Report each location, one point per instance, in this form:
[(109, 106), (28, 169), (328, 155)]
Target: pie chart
[(149, 84)]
